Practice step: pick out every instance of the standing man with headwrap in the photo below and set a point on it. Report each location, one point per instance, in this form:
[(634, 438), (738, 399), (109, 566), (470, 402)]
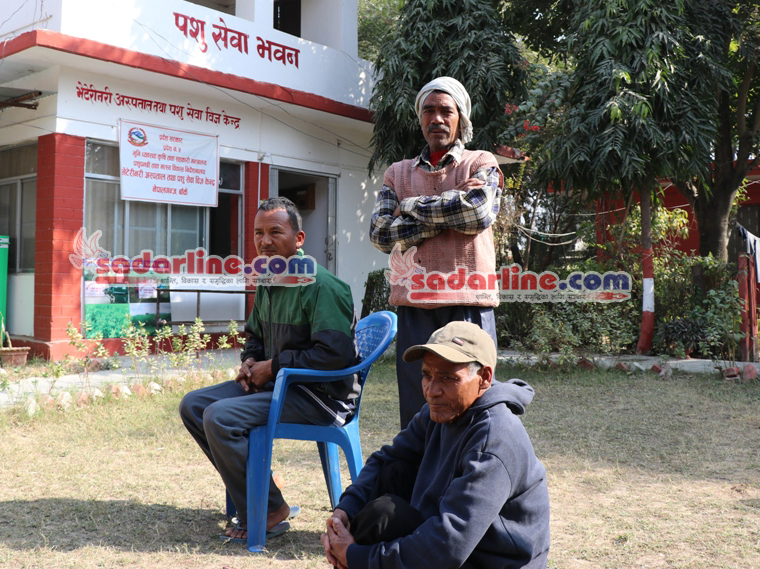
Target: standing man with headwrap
[(444, 203)]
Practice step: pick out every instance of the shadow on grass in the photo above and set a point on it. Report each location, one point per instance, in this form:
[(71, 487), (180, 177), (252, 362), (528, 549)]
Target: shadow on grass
[(67, 524)]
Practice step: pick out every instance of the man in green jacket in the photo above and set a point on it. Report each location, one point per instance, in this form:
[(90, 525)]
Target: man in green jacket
[(309, 326)]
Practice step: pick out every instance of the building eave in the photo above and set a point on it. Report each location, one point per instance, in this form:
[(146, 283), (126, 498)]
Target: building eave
[(57, 42)]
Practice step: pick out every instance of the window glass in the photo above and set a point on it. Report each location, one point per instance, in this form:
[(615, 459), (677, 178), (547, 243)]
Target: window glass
[(147, 228), (28, 224), (20, 161), (104, 211), (287, 16), (9, 220), (129, 227), (229, 176), (102, 159), (187, 229)]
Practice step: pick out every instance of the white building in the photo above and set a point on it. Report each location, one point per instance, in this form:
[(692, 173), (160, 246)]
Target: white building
[(278, 83)]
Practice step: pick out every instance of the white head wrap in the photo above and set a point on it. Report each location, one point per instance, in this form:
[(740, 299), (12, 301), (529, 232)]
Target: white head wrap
[(457, 91)]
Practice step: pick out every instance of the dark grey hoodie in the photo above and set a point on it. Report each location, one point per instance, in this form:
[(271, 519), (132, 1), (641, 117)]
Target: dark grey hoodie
[(480, 488)]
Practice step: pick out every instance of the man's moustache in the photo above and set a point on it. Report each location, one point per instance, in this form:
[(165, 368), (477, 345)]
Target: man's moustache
[(437, 128)]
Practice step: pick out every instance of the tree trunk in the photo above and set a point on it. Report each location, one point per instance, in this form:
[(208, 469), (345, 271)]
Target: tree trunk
[(646, 333), (713, 214), (730, 165)]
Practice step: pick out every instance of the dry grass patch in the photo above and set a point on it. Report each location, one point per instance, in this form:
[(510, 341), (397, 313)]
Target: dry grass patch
[(643, 472)]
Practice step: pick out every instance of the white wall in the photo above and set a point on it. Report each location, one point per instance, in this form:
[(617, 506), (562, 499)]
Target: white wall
[(295, 138), (149, 27), (332, 23), (356, 255)]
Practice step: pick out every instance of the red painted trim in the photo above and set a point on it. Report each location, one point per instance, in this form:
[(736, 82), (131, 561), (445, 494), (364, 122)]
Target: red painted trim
[(104, 52), (646, 333)]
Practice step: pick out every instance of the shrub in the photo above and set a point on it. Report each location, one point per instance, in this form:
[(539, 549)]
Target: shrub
[(377, 292), (581, 329)]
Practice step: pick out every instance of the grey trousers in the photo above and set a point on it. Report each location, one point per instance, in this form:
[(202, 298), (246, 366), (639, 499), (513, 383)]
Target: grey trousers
[(415, 325), (219, 418)]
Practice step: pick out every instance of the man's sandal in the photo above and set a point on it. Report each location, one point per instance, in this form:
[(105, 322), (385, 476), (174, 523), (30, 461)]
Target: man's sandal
[(279, 529)]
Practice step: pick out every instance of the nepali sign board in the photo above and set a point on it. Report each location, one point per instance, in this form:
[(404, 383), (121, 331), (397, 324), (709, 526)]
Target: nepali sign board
[(161, 164)]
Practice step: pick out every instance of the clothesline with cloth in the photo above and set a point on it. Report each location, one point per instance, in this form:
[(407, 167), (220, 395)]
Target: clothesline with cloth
[(752, 247)]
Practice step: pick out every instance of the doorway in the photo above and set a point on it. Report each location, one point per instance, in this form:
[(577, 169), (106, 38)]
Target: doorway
[(315, 197)]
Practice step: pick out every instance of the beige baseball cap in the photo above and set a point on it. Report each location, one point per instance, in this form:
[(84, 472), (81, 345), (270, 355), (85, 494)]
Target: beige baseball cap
[(458, 342)]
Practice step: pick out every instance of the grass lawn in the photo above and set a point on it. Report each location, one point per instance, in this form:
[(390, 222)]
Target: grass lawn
[(643, 472)]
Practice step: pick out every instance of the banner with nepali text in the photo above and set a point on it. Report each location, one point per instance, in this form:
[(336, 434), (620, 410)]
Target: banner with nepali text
[(161, 164)]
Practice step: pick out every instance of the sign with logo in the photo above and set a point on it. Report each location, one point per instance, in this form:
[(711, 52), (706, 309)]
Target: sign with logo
[(160, 164)]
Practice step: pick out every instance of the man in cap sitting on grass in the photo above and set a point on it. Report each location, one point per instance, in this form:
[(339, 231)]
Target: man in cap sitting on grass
[(460, 487)]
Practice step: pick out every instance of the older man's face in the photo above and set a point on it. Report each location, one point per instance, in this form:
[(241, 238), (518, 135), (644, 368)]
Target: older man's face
[(440, 121), (449, 388)]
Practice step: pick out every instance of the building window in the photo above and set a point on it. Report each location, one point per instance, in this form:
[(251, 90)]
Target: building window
[(18, 205), (225, 221), (287, 16), (129, 227)]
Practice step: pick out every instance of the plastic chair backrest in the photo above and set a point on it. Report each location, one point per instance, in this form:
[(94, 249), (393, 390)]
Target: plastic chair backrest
[(372, 339)]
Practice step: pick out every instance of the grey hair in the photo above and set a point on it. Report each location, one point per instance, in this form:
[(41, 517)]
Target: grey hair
[(474, 368)]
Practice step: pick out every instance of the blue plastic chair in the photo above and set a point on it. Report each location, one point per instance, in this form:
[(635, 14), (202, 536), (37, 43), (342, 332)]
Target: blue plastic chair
[(373, 336)]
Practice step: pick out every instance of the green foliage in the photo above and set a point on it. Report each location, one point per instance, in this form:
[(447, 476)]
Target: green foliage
[(721, 315), (696, 298), (4, 335), (542, 24), (464, 39), (581, 329), (681, 336), (89, 345), (705, 315), (377, 292), (182, 349), (654, 90), (629, 118), (106, 319), (514, 322), (231, 340), (136, 341), (148, 321), (376, 19)]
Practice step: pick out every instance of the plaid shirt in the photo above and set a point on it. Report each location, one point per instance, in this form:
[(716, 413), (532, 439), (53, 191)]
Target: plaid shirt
[(424, 217)]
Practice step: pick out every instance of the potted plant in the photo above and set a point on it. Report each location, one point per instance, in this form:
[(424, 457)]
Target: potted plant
[(10, 356)]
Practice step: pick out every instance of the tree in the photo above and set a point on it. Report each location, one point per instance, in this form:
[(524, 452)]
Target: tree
[(717, 65), (729, 46), (621, 118), (376, 19), (464, 39)]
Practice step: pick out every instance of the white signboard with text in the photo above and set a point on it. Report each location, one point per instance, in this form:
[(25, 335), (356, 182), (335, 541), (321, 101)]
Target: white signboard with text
[(161, 164)]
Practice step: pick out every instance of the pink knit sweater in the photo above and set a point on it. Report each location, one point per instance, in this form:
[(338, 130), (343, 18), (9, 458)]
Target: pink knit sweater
[(450, 249)]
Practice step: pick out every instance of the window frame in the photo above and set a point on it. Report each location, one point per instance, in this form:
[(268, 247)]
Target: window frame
[(123, 239), (18, 223)]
